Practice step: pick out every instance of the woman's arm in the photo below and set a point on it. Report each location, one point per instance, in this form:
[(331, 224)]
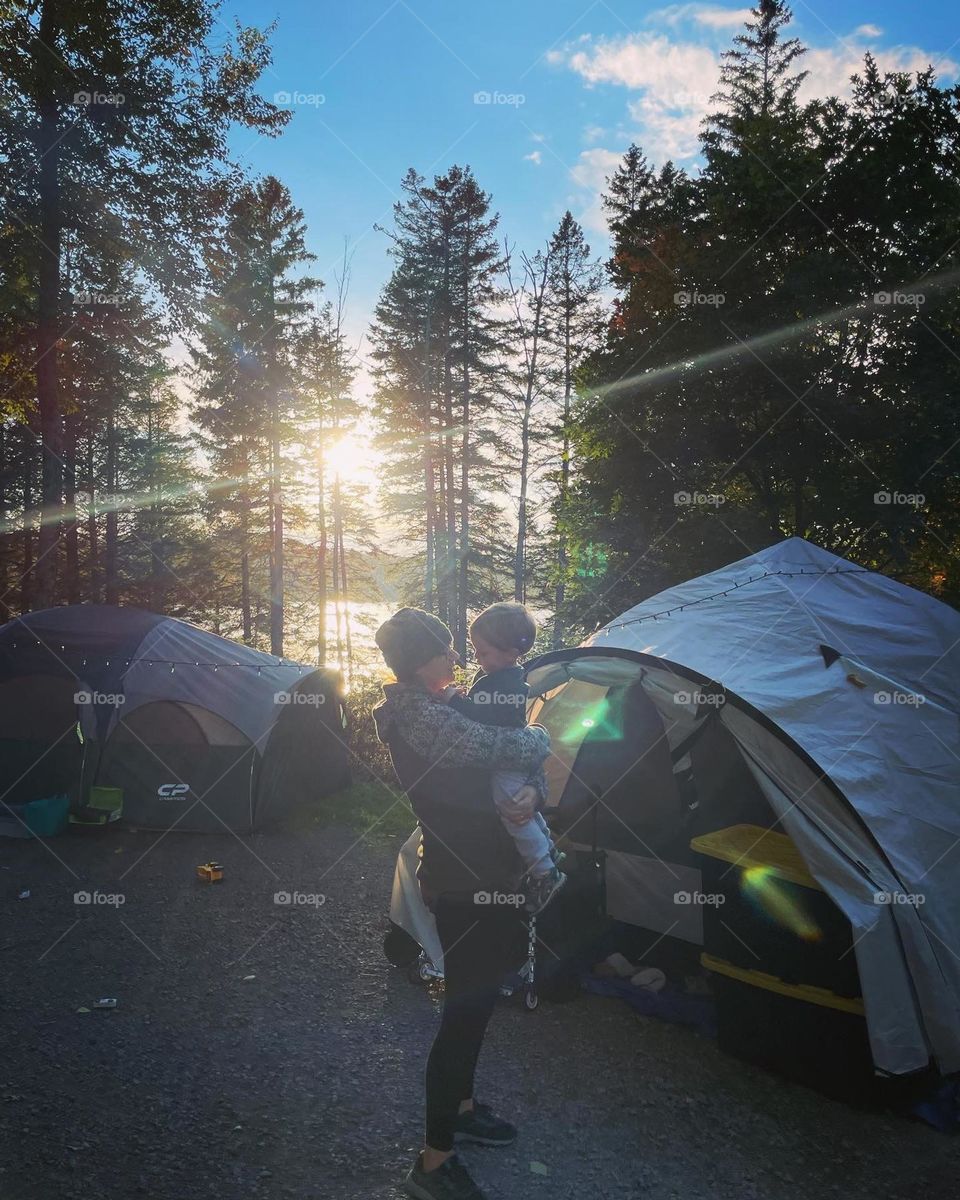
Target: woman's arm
[(439, 733)]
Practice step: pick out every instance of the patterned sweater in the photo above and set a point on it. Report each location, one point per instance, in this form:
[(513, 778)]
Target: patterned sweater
[(444, 762)]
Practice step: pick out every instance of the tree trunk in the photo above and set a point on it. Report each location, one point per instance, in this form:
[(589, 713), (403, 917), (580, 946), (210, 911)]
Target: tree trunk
[(48, 307), (460, 636), (70, 532), (346, 604), (520, 554), (276, 492), (111, 575), (321, 552), (460, 639), (246, 618), (560, 595), (530, 390), (157, 589), (429, 584), (27, 579), (5, 610), (448, 577), (799, 465), (93, 539)]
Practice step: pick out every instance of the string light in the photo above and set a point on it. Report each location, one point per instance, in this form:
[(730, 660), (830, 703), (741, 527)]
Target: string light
[(176, 662), (666, 612)]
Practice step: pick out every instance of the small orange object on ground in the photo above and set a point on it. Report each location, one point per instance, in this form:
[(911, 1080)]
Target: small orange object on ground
[(210, 872)]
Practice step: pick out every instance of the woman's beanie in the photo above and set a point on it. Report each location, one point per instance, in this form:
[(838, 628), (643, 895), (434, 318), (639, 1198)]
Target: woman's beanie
[(410, 638)]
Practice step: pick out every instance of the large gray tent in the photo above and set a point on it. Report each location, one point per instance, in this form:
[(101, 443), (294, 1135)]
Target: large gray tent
[(792, 687), (200, 732)]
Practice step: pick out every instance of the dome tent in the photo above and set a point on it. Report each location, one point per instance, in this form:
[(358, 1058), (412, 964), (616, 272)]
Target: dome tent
[(195, 728), (798, 685)]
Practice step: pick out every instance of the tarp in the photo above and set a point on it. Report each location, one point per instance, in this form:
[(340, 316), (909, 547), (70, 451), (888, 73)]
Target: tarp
[(841, 688)]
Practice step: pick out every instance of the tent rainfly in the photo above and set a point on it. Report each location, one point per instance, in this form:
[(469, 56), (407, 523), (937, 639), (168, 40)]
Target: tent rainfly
[(791, 687), (200, 732)]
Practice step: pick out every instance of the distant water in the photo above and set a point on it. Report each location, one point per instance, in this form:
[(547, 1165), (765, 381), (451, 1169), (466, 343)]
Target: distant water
[(361, 617)]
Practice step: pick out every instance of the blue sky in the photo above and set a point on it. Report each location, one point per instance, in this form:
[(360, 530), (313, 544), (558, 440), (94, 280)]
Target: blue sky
[(377, 86)]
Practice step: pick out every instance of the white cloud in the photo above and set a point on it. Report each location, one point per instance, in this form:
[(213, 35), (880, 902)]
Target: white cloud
[(831, 69), (668, 132), (868, 31), (673, 80), (713, 16), (591, 173), (644, 60), (676, 80), (535, 156)]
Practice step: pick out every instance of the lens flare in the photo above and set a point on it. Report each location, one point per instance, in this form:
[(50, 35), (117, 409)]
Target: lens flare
[(598, 723), (767, 892)]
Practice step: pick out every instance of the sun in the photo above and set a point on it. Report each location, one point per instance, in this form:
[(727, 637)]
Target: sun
[(350, 458)]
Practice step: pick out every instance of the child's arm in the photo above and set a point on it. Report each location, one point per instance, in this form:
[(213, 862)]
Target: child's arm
[(469, 707)]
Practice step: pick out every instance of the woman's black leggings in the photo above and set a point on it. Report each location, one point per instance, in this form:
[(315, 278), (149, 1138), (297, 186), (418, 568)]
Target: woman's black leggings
[(481, 943)]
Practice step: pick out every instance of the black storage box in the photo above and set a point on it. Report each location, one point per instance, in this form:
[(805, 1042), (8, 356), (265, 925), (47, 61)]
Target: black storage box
[(773, 917), (808, 1034)]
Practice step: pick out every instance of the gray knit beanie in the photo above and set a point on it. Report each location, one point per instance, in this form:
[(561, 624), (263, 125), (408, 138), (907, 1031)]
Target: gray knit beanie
[(409, 639)]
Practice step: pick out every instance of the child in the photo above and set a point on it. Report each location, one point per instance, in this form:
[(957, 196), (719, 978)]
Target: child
[(498, 696)]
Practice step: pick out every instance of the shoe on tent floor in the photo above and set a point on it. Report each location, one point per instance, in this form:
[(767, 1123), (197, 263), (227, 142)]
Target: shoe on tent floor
[(790, 689), (199, 732)]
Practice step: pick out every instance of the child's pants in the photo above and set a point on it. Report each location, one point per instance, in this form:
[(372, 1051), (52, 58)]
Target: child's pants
[(532, 839)]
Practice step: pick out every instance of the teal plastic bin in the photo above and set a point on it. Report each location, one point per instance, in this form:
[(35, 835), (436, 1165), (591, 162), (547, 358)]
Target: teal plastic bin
[(35, 818)]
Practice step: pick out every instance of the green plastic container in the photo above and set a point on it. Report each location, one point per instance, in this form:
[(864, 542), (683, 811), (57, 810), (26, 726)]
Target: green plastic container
[(106, 805)]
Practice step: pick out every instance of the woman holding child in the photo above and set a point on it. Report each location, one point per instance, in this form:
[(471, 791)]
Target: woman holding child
[(473, 772)]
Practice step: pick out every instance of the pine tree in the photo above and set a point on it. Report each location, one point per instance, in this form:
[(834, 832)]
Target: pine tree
[(101, 105), (246, 375), (435, 348), (573, 306)]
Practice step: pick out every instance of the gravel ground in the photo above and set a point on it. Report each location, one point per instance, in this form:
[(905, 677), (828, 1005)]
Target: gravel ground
[(305, 1080)]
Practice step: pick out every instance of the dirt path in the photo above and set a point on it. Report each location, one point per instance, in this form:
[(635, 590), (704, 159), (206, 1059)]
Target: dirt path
[(305, 1081)]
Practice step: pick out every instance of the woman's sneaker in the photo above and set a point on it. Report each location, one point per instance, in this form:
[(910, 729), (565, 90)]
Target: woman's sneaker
[(450, 1181), (483, 1126), (543, 889)]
